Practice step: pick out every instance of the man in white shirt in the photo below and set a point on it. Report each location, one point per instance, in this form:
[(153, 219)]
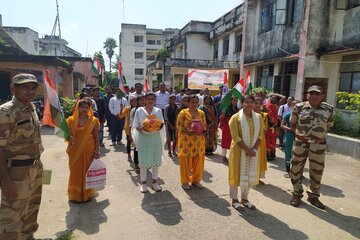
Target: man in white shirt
[(162, 97), (116, 104), (283, 110), (138, 91)]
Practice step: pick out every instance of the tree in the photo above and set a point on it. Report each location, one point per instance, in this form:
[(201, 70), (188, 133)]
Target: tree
[(109, 46), (115, 65), (161, 55)]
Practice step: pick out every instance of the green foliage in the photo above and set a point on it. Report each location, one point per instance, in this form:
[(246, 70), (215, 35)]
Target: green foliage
[(162, 54), (178, 86), (115, 64), (343, 129), (351, 101), (99, 56), (2, 41), (67, 105), (261, 89), (111, 79), (68, 235), (109, 46)]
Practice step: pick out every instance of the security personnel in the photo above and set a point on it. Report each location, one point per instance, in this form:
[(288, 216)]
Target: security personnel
[(20, 165), (310, 121)]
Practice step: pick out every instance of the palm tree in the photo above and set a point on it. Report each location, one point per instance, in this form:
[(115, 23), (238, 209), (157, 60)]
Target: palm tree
[(161, 55), (109, 46)]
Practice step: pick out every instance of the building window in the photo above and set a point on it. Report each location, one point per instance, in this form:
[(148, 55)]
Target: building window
[(151, 42), (158, 42), (150, 57), (346, 4), (350, 82), (265, 76), (139, 39), (139, 55), (238, 42), (268, 12), (295, 8), (216, 49), (139, 71), (226, 46)]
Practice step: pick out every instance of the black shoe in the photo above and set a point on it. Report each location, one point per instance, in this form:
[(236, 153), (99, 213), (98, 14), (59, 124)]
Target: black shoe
[(316, 202), (295, 201)]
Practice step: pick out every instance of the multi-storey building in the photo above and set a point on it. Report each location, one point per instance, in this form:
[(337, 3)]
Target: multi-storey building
[(204, 45), (137, 49), (31, 43)]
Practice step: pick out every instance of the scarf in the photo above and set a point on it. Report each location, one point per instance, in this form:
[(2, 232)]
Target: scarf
[(248, 165)]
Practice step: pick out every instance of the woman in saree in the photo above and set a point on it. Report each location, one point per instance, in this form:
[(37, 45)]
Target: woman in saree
[(262, 148), (209, 109), (83, 148), (246, 127), (224, 125), (191, 145)]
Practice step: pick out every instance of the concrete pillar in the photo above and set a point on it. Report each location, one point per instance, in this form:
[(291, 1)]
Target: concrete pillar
[(300, 81), (67, 84), (0, 20)]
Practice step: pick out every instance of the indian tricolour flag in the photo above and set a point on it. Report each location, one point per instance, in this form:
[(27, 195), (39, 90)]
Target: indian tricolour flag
[(243, 87), (53, 113), (96, 67), (121, 79), (146, 86), (226, 94)]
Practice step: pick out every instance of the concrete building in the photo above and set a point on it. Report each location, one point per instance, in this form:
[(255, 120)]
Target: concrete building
[(291, 45), (31, 43), (204, 45), (137, 48)]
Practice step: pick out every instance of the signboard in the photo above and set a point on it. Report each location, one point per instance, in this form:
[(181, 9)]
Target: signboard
[(211, 79)]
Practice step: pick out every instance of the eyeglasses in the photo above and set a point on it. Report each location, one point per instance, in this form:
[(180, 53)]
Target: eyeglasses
[(314, 93)]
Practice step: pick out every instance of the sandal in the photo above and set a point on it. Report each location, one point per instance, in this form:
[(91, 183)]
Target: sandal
[(186, 186), (156, 187), (248, 204), (198, 185), (238, 206)]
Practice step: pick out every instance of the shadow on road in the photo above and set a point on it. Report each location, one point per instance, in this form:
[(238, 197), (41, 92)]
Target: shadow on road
[(207, 199), (275, 193), (347, 223), (163, 206), (86, 217), (325, 190), (272, 227)]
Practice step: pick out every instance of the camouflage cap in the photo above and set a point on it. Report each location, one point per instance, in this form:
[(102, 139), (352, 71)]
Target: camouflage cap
[(315, 88), (24, 78)]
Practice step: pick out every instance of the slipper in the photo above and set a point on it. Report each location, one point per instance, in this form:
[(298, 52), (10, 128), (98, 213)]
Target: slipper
[(156, 187), (186, 186), (238, 206), (248, 205), (197, 185)]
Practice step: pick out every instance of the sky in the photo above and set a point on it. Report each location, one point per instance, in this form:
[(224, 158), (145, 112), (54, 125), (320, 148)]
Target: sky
[(86, 24)]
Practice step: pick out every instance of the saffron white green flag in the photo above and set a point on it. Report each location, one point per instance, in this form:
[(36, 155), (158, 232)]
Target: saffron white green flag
[(53, 113)]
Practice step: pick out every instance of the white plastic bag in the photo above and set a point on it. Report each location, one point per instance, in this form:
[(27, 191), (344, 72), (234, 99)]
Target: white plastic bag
[(96, 175)]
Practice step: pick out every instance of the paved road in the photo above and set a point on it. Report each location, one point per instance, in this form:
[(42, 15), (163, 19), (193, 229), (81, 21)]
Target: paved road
[(120, 211)]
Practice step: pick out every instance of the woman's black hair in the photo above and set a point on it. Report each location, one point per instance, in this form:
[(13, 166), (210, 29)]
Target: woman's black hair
[(150, 94), (247, 97)]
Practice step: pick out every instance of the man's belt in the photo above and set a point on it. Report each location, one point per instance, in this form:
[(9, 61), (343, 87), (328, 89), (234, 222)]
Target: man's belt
[(24, 163)]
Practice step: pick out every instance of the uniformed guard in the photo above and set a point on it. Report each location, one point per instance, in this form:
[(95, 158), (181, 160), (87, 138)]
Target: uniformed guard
[(20, 165), (310, 121)]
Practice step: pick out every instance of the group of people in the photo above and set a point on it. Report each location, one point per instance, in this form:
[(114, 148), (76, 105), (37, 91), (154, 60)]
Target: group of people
[(153, 120)]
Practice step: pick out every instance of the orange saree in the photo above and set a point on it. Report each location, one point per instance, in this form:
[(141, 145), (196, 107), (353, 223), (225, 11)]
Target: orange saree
[(80, 156)]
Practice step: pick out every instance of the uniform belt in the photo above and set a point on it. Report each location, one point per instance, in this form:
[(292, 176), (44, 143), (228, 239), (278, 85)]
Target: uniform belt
[(24, 163), (306, 140)]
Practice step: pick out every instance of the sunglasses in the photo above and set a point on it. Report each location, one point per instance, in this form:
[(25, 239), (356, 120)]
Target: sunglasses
[(314, 93)]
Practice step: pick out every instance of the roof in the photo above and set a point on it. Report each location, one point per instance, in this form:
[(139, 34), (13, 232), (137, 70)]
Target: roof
[(8, 45)]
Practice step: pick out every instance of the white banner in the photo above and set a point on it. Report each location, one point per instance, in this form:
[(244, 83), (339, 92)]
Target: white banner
[(211, 79)]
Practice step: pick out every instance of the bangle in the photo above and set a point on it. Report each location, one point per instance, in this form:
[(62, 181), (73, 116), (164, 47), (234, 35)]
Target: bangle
[(97, 152), (254, 149)]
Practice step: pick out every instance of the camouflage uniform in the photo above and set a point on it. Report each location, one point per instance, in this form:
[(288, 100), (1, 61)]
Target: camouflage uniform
[(21, 143), (311, 127)]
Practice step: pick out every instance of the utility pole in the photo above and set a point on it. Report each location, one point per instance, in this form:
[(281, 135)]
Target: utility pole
[(57, 23)]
